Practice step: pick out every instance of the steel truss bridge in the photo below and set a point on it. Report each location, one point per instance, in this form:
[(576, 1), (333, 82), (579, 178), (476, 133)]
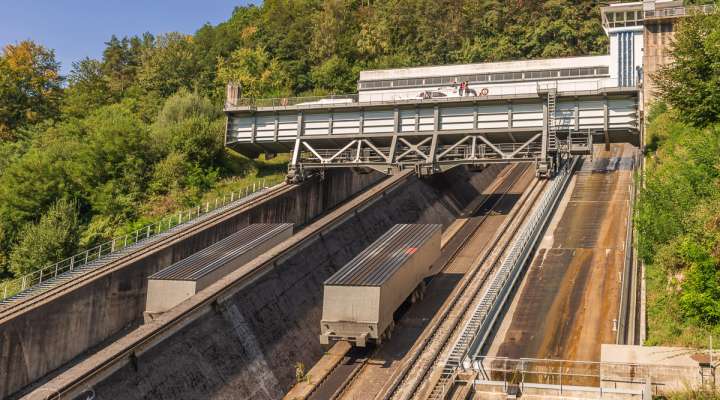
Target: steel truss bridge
[(433, 135)]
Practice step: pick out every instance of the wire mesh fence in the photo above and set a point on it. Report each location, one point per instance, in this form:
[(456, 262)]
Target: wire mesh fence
[(15, 286)]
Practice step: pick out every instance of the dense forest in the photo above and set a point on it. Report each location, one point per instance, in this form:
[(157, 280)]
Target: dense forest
[(678, 215), (138, 133)]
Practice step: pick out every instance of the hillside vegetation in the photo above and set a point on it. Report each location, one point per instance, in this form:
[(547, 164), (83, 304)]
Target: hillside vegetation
[(138, 133), (678, 214)]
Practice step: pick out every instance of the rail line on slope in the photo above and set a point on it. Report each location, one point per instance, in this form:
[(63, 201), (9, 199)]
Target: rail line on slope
[(104, 363), (120, 258), (435, 339), (498, 191)]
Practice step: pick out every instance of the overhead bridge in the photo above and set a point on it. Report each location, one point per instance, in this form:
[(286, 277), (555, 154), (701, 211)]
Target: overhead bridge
[(539, 124)]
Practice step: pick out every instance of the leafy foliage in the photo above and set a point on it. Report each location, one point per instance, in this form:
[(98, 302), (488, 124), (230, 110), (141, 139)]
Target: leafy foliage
[(691, 84), (54, 236), (678, 215), (139, 132), (29, 86)]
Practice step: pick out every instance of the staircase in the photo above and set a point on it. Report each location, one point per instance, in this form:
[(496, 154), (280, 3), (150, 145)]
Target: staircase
[(552, 129)]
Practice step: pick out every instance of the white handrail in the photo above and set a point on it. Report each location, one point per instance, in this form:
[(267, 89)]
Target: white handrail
[(12, 287)]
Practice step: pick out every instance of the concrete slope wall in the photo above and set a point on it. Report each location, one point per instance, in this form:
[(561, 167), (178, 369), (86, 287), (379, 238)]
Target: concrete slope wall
[(247, 347), (44, 338)]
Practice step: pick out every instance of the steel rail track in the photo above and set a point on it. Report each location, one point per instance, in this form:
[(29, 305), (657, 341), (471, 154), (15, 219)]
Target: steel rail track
[(415, 363), (147, 340), (508, 178), (8, 310)]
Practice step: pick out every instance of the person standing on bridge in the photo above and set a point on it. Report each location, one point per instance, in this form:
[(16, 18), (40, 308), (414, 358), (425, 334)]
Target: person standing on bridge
[(462, 88)]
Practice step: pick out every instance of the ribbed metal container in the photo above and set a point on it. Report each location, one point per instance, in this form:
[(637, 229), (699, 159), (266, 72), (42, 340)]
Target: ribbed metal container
[(186, 277), (379, 261), (211, 258), (360, 299)]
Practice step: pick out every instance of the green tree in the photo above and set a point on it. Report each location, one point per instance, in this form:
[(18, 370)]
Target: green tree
[(691, 83), (30, 86), (255, 70), (118, 151), (49, 170), (88, 89), (170, 65), (121, 61), (335, 75), (51, 239), (191, 126)]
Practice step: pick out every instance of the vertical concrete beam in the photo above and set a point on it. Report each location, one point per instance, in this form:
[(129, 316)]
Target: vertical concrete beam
[(436, 118), (297, 146), (361, 122), (253, 128), (475, 117), (576, 114), (330, 123), (391, 155), (510, 114), (433, 148), (396, 120), (606, 123), (276, 130), (300, 124), (417, 119)]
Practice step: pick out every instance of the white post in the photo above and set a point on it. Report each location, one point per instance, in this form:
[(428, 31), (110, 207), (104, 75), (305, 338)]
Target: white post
[(207, 206)]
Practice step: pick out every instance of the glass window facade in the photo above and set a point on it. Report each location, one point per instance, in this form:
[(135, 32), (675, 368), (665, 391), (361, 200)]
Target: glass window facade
[(565, 73)]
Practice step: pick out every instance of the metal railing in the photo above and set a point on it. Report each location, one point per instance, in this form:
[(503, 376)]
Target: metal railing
[(680, 11), (560, 377), (295, 101), (416, 95), (476, 330), (18, 285)]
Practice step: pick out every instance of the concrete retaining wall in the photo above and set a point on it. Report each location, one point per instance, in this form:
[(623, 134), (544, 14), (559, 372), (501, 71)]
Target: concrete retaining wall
[(46, 337), (247, 348)]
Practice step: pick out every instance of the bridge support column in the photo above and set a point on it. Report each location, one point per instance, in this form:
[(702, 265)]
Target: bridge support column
[(295, 173), (606, 124)]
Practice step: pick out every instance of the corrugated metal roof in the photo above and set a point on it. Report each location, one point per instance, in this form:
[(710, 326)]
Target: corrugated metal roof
[(215, 256), (379, 261)]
